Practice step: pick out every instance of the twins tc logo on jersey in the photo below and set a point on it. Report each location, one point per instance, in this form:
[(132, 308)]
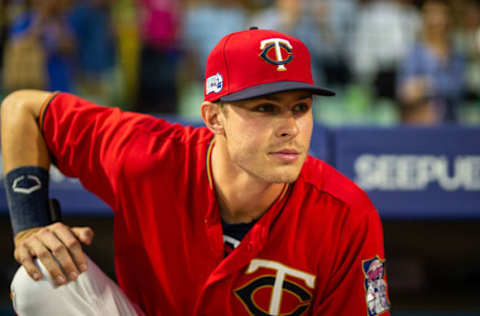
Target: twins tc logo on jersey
[(276, 51), (272, 294), (375, 286)]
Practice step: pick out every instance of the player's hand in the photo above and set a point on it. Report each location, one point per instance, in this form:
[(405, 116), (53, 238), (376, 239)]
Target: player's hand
[(57, 240)]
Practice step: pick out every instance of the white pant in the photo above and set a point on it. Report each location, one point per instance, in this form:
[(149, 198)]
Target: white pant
[(92, 294)]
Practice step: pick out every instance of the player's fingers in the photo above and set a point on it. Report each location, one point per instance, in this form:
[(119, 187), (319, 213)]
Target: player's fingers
[(22, 255), (84, 234), (37, 248), (69, 239), (61, 253)]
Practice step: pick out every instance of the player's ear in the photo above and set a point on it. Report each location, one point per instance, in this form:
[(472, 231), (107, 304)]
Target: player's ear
[(212, 116)]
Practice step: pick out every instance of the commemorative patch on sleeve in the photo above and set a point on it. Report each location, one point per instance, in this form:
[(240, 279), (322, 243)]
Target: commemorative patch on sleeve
[(375, 286)]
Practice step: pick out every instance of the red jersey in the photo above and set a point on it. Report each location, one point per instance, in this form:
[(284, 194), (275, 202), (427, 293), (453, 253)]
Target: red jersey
[(317, 251)]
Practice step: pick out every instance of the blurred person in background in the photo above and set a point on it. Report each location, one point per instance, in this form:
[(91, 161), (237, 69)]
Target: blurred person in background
[(91, 22), (159, 29), (384, 31), (431, 78), (3, 28), (127, 44), (334, 22), (41, 48), (205, 22), (283, 15), (467, 37)]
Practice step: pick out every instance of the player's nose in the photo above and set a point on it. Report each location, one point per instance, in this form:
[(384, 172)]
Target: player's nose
[(287, 126)]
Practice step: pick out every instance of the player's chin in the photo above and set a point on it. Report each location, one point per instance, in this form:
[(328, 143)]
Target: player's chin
[(285, 174)]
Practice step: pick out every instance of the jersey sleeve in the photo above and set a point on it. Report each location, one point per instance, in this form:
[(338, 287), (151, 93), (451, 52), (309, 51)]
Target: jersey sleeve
[(357, 283), (88, 141)]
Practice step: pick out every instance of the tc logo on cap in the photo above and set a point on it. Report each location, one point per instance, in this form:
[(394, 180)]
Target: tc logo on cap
[(277, 44)]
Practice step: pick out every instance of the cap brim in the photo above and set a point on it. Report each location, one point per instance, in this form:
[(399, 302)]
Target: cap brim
[(275, 87)]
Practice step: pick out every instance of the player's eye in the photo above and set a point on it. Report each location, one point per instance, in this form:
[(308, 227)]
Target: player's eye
[(266, 108), (301, 108)]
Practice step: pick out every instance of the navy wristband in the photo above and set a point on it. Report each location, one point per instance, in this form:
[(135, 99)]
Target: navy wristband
[(27, 197)]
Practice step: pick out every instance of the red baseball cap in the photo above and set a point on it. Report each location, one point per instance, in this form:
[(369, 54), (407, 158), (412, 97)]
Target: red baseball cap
[(255, 63)]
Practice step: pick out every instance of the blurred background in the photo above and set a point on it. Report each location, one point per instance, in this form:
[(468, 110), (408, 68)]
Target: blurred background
[(407, 77), (391, 61)]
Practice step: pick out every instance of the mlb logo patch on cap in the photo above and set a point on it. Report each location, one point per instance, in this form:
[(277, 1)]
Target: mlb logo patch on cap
[(214, 83), (254, 63)]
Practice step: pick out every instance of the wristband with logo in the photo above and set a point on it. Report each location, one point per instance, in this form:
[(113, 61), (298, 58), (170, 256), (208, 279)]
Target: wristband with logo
[(27, 197)]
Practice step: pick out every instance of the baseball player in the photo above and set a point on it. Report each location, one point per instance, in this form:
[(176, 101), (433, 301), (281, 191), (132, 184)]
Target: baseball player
[(234, 218)]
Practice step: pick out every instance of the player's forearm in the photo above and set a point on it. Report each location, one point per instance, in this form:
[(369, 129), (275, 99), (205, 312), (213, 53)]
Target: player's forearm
[(25, 159), (23, 146), (22, 141)]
